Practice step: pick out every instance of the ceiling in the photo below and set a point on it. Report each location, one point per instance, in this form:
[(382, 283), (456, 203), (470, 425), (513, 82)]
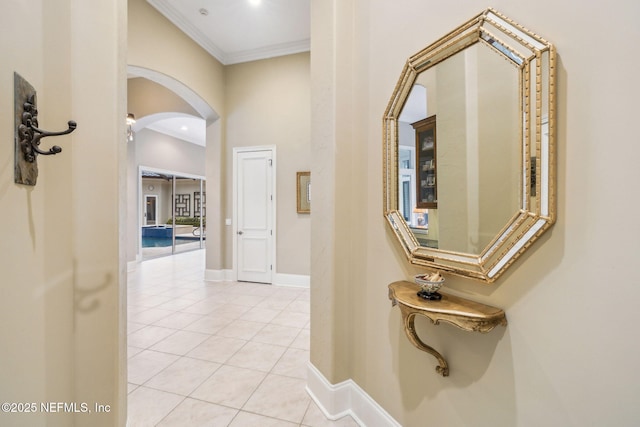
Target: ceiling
[(234, 31), (187, 128)]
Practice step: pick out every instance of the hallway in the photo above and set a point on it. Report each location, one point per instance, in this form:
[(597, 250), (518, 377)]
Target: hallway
[(216, 354)]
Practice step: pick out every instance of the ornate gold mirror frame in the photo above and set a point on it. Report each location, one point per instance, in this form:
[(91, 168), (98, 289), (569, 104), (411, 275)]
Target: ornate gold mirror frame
[(534, 59)]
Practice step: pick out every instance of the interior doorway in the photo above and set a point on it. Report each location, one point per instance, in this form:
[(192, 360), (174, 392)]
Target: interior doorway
[(254, 211), (172, 211), (149, 214)]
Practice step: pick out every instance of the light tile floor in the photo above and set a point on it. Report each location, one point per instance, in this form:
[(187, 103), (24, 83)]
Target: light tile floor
[(216, 354)]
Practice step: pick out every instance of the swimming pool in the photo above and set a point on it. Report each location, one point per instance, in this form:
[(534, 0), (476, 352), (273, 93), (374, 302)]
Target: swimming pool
[(160, 242), (157, 231)]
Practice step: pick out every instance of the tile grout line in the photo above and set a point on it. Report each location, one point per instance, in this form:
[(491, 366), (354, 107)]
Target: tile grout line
[(298, 299)]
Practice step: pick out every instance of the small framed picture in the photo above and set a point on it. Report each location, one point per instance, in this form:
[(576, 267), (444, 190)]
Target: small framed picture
[(303, 188)]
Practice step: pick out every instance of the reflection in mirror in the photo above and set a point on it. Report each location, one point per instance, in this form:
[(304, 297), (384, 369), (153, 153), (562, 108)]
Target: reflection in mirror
[(469, 148), (478, 162)]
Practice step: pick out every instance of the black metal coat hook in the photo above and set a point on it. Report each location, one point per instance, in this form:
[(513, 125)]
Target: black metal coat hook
[(27, 134), (30, 135)]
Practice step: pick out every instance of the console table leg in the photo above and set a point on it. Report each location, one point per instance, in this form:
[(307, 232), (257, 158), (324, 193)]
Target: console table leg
[(410, 330)]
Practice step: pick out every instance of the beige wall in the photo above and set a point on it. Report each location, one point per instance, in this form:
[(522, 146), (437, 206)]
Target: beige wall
[(62, 326), (268, 104), (568, 356), (156, 44), (339, 189), (145, 97), (260, 103), (161, 151)]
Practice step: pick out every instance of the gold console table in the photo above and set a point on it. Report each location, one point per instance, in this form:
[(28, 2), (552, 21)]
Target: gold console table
[(463, 313)]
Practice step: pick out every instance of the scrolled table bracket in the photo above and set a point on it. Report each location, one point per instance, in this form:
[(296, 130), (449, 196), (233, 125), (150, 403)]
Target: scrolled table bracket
[(465, 314), (410, 331)]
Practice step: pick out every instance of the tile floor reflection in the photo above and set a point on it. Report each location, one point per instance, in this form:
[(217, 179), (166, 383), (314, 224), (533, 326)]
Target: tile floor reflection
[(216, 354)]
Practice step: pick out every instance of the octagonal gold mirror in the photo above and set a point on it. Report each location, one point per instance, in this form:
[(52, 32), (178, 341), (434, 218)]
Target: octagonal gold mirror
[(469, 148)]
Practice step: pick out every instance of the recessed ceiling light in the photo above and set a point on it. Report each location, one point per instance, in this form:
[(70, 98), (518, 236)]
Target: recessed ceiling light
[(203, 12), (255, 2), (184, 128)]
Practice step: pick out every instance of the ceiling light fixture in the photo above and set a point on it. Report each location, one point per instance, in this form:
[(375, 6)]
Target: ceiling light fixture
[(184, 128), (255, 3), (203, 11)]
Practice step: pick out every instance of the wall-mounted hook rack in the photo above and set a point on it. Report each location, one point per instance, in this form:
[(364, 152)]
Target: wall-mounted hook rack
[(27, 133)]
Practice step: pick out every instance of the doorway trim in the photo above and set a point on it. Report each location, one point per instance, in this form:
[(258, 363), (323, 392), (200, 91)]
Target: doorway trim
[(234, 227)]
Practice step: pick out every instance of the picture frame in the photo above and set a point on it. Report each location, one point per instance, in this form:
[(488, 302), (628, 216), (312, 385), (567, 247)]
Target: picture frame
[(303, 192)]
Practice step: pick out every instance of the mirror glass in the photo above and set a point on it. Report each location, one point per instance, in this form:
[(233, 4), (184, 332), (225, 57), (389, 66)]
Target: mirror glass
[(468, 148), (478, 162)]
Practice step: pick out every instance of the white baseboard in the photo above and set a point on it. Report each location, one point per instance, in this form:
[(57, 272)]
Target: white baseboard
[(295, 280), (218, 275), (346, 398), (132, 266), (279, 279)]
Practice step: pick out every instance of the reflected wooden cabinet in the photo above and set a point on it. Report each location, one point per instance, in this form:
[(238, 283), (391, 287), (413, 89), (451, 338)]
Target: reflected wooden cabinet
[(427, 188)]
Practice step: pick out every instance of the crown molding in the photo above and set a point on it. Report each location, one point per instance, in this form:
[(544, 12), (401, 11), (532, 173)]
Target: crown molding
[(226, 58), (269, 52)]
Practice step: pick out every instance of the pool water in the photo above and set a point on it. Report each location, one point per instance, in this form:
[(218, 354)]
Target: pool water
[(160, 242)]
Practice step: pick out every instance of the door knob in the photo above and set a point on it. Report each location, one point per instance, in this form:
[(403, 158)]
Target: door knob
[(240, 232)]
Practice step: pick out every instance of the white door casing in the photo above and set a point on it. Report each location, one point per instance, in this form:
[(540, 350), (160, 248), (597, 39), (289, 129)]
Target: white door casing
[(254, 212)]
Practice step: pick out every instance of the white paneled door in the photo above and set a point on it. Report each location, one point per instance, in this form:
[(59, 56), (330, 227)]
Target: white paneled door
[(254, 215)]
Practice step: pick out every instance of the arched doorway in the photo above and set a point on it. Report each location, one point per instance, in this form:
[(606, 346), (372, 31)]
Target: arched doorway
[(157, 99)]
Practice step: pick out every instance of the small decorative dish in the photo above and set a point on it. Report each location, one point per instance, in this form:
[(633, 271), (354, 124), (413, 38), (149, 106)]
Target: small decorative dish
[(429, 284)]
